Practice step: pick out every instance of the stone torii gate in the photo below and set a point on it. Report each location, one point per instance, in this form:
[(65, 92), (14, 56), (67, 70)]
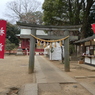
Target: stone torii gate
[(33, 28)]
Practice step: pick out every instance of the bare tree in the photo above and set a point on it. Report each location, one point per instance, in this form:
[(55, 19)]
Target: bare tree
[(23, 10)]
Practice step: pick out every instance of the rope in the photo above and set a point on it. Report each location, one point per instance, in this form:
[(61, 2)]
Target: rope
[(49, 40)]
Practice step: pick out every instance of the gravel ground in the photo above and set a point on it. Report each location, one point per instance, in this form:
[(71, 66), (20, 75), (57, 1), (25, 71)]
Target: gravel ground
[(14, 72), (67, 89), (80, 74), (76, 88)]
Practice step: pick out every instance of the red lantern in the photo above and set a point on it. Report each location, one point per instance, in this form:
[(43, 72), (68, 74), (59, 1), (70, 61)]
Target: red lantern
[(93, 28)]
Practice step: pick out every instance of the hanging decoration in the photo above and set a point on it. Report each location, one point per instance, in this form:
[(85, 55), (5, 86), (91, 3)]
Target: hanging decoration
[(45, 44), (50, 45), (55, 44), (60, 43), (38, 42), (48, 41)]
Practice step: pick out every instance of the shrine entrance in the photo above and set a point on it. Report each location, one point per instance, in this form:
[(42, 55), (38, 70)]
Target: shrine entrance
[(66, 37)]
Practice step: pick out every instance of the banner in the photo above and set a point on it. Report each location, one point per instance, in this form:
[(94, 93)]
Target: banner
[(2, 37), (93, 28)]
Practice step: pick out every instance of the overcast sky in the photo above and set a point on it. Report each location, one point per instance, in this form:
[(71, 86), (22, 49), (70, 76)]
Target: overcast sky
[(3, 7)]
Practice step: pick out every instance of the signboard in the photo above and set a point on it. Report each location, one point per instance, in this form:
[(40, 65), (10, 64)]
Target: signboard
[(93, 27), (87, 43), (2, 37)]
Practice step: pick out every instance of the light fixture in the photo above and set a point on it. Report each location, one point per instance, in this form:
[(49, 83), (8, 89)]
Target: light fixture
[(81, 45), (93, 39)]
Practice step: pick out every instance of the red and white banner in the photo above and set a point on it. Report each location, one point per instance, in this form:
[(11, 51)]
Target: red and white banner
[(2, 37), (93, 28)]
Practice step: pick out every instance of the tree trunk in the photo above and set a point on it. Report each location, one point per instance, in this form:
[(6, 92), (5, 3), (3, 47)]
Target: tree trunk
[(86, 18)]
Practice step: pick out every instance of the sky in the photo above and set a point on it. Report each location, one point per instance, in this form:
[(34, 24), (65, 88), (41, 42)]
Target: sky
[(3, 7)]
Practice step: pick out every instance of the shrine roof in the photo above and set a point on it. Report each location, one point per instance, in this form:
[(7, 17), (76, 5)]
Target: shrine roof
[(86, 39)]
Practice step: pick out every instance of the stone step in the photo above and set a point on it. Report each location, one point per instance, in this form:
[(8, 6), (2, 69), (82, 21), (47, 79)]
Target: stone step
[(88, 67), (29, 89), (89, 87)]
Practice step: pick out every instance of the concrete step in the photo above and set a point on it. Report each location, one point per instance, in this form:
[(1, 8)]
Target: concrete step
[(88, 67), (89, 87), (29, 89), (50, 87)]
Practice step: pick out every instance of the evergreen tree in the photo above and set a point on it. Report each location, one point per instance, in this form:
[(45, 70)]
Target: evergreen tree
[(60, 12), (92, 15), (9, 46), (12, 30), (48, 17), (72, 12), (86, 12)]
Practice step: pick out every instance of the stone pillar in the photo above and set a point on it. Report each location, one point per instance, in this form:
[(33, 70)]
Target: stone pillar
[(32, 52), (66, 52)]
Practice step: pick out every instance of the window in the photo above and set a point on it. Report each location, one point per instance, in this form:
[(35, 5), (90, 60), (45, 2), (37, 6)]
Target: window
[(90, 50), (87, 50)]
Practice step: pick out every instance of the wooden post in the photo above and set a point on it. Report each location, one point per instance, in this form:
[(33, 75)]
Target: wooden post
[(32, 52), (66, 52), (76, 50), (83, 48)]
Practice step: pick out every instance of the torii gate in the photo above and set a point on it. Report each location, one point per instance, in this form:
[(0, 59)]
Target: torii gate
[(33, 28)]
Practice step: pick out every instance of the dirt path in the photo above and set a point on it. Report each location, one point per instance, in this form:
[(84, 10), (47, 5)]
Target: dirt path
[(14, 72), (76, 70), (80, 74), (68, 88)]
